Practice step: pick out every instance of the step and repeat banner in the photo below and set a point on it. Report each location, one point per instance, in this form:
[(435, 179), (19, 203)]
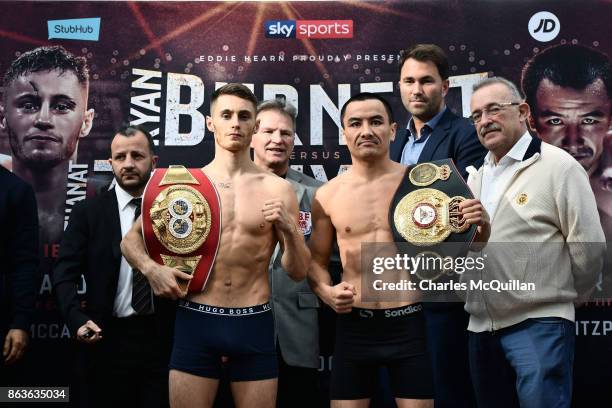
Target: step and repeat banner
[(157, 64)]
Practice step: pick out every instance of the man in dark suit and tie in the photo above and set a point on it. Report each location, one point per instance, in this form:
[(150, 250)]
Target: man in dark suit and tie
[(125, 330), (19, 254), (434, 132)]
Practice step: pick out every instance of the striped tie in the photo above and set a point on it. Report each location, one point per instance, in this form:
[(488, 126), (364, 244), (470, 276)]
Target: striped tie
[(142, 296)]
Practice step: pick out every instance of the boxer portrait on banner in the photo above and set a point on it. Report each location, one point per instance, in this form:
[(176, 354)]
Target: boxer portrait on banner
[(44, 113), (569, 90), (230, 316)]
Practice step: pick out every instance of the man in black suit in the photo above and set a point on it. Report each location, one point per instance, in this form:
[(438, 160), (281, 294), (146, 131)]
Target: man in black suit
[(125, 331), (19, 255), (434, 132)]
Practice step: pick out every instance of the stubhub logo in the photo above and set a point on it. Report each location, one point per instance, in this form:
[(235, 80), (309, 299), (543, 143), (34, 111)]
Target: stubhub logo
[(311, 29)]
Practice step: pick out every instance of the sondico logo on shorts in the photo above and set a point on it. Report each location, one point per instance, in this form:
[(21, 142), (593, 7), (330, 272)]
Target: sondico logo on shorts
[(366, 314), (544, 26), (311, 29), (403, 311)]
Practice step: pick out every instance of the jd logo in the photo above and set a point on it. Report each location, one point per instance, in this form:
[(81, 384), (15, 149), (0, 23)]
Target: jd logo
[(544, 26)]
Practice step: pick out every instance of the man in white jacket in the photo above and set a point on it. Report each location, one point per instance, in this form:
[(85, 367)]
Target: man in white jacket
[(543, 211)]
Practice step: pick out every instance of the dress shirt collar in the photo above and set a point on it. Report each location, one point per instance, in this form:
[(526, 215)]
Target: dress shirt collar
[(517, 153), (123, 197), (431, 125)]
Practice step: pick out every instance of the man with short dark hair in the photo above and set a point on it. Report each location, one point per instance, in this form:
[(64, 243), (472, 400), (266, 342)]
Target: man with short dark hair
[(231, 317), (44, 112), (125, 332), (434, 132), (353, 207), (540, 202), (18, 251)]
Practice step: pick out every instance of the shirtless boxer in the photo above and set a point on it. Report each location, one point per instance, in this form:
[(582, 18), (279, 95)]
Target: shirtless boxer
[(355, 207), (231, 317)]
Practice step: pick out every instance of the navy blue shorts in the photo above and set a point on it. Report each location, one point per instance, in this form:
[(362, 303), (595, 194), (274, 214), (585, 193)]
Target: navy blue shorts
[(204, 334)]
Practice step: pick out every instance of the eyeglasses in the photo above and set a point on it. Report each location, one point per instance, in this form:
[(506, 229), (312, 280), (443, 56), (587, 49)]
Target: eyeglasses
[(493, 109)]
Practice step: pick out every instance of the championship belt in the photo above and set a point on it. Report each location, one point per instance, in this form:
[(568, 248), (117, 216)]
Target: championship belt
[(425, 213), (181, 222)]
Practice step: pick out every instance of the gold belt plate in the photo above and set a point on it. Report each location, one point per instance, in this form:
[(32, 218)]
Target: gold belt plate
[(181, 218), (425, 174), (428, 216)]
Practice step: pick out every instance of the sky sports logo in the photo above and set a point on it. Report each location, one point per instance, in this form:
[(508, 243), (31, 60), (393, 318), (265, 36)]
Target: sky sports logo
[(311, 29)]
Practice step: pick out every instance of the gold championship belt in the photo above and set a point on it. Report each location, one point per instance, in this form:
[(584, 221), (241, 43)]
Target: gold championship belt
[(424, 214), (181, 222)]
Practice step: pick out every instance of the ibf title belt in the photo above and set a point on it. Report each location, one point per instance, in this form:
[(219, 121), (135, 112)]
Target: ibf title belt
[(425, 208), (181, 222)]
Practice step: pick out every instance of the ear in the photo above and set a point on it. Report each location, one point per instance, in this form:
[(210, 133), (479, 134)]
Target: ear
[(154, 161), (87, 124), (531, 123), (445, 86), (524, 112), (2, 117), (393, 130), (209, 124), (343, 137)]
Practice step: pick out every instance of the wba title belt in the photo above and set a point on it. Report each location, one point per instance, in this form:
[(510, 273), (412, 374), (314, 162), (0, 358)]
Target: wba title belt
[(425, 211), (181, 222)]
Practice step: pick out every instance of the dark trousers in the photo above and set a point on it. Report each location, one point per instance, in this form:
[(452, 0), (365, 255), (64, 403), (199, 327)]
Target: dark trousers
[(129, 366), (297, 386), (4, 374), (527, 365), (447, 342)]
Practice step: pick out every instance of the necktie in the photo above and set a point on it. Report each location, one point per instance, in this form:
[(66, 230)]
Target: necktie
[(142, 296)]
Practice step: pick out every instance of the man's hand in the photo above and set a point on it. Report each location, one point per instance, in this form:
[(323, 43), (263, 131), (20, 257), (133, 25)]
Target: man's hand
[(341, 297), (89, 333), (15, 344), (274, 211), (474, 213), (163, 281)]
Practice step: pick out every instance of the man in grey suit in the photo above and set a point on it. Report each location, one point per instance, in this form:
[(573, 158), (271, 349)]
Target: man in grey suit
[(293, 303)]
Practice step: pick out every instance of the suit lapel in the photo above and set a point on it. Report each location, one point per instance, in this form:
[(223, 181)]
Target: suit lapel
[(476, 176), (398, 144), (112, 217), (296, 178), (437, 136), (300, 190)]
